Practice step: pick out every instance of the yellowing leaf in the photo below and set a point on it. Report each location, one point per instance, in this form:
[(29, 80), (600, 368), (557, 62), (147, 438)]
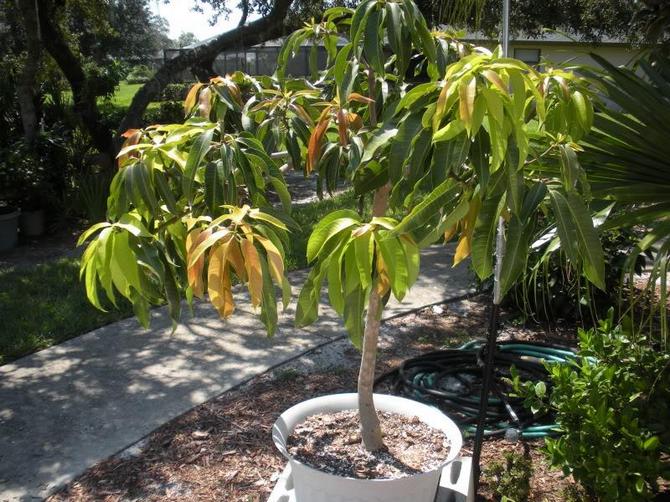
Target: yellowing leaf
[(234, 256), (466, 94), (450, 232), (274, 259), (252, 263), (191, 97), (315, 143), (464, 247), (354, 96), (495, 79), (440, 107), (195, 280), (342, 126), (205, 102), (218, 281), (355, 121)]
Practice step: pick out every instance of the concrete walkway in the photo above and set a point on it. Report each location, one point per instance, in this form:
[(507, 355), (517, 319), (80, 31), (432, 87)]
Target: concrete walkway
[(65, 408)]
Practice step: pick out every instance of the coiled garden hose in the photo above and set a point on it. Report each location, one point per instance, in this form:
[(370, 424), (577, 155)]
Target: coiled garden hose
[(451, 380)]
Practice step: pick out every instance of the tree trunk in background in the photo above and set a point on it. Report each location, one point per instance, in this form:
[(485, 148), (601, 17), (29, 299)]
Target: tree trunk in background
[(85, 101), (25, 89), (371, 433), (256, 32)]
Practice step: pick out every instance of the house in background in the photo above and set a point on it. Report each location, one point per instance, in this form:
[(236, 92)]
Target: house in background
[(553, 47), (557, 48)]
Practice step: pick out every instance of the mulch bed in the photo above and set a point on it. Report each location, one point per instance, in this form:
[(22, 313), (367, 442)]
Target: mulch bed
[(222, 449)]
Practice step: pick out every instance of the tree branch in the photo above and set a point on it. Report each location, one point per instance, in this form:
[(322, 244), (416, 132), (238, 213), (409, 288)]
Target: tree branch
[(256, 32), (245, 12), (85, 105)]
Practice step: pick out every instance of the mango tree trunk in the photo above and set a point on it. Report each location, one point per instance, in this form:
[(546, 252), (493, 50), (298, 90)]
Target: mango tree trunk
[(371, 432)]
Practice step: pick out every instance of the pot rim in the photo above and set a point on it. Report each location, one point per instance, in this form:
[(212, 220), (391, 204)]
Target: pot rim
[(13, 214), (455, 446)]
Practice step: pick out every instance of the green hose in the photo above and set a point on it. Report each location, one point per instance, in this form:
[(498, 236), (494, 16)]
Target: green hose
[(451, 380)]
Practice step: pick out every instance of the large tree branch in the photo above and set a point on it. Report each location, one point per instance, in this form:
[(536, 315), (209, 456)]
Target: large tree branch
[(256, 32), (85, 104), (25, 89)]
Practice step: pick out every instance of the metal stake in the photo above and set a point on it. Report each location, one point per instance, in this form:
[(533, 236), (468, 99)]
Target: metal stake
[(495, 307)]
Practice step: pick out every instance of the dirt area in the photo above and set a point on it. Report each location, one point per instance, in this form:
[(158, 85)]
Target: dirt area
[(57, 242), (331, 443), (222, 450)]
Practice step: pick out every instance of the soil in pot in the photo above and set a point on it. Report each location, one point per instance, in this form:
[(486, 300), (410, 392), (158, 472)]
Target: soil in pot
[(331, 443)]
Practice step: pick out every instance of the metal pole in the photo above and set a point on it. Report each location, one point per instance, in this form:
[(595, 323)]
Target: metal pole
[(492, 334), (505, 28)]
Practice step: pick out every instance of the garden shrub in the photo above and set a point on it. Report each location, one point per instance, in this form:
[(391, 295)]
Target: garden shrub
[(613, 410), (168, 112), (139, 74), (175, 92), (550, 290), (511, 479)]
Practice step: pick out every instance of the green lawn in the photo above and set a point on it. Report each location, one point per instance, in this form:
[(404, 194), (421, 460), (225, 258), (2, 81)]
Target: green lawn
[(124, 94), (46, 304)]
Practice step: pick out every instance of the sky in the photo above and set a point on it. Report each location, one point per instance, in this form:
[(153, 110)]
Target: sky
[(182, 19)]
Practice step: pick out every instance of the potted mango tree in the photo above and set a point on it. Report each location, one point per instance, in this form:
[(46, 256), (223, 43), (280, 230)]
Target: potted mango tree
[(446, 139)]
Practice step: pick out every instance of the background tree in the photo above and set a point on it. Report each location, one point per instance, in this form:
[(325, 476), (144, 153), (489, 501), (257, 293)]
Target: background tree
[(185, 39)]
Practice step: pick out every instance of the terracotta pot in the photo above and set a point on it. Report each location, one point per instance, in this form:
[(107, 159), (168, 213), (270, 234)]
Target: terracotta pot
[(312, 485), (9, 223)]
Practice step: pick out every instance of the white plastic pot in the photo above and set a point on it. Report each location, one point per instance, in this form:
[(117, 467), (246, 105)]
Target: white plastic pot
[(311, 485)]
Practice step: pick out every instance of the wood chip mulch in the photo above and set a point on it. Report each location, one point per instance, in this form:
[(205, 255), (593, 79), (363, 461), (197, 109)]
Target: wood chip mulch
[(331, 443), (222, 449)]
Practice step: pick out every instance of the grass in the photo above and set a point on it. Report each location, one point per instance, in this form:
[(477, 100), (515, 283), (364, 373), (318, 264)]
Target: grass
[(124, 94), (46, 304)]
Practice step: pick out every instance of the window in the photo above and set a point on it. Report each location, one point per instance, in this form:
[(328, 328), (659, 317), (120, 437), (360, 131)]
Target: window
[(529, 56)]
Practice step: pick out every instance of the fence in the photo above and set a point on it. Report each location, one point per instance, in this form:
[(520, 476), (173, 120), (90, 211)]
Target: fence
[(257, 61)]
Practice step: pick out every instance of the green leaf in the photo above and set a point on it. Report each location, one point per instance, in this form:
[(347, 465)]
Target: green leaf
[(516, 253), (215, 186), (431, 204), (329, 226), (269, 303), (484, 235), (396, 265), (533, 199), (651, 443), (450, 131), (372, 45), (589, 243), (282, 192), (334, 276), (307, 308), (370, 177), (380, 138), (415, 94), (354, 305), (567, 232), (90, 231), (199, 149), (401, 144), (364, 247)]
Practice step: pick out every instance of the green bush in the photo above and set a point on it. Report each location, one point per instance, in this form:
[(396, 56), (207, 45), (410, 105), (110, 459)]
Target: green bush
[(550, 290), (139, 74), (511, 479), (168, 112), (613, 409), (175, 92)]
